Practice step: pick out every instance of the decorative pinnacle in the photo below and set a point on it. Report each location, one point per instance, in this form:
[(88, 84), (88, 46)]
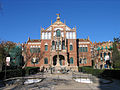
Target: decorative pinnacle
[(51, 22), (88, 38), (28, 38), (58, 16)]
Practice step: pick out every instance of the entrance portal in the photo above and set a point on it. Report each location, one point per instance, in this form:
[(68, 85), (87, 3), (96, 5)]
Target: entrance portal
[(61, 60)]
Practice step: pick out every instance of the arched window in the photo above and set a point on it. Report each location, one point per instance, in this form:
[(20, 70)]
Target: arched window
[(35, 50), (56, 45), (86, 49), (58, 33), (46, 61), (71, 47), (59, 45), (53, 45), (71, 60), (60, 62), (80, 60), (46, 47), (85, 60), (81, 49), (63, 45)]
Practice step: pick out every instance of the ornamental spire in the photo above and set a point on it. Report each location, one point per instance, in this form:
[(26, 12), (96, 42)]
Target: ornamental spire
[(88, 38), (28, 38), (58, 17)]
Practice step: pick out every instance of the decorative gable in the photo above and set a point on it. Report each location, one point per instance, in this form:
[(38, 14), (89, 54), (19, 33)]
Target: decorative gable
[(67, 28), (49, 28)]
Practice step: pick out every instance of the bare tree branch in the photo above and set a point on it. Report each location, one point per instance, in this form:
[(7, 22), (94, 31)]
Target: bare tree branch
[(28, 55)]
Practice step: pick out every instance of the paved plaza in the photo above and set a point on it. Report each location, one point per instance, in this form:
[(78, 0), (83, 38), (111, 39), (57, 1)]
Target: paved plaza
[(64, 82)]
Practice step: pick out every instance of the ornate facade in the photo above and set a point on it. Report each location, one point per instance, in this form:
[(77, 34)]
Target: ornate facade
[(103, 54), (58, 46)]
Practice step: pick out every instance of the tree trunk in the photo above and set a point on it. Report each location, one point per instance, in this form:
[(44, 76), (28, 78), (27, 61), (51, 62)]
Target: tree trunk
[(0, 67)]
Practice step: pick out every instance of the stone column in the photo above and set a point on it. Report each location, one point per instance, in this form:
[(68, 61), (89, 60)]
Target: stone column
[(66, 62), (58, 64)]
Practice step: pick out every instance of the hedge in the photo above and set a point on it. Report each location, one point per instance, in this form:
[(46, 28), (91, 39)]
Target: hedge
[(90, 70), (112, 73), (31, 70), (19, 72), (12, 73)]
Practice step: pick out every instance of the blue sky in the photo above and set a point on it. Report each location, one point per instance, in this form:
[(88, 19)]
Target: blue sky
[(100, 19)]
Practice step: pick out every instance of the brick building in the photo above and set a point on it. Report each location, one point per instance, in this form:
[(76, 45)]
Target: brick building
[(103, 54), (58, 46), (84, 52)]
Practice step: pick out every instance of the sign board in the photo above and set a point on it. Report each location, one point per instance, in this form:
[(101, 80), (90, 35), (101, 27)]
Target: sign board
[(8, 61), (107, 57), (34, 60)]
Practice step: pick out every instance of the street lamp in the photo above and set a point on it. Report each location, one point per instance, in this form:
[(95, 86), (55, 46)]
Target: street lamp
[(51, 61)]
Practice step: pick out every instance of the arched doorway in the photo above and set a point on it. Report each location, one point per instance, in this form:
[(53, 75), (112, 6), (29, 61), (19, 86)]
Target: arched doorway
[(61, 60)]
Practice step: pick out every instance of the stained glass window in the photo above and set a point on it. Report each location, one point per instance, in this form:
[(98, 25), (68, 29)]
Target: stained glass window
[(60, 62), (46, 61), (35, 50), (71, 60), (80, 49), (71, 47), (53, 45), (46, 47), (58, 33), (86, 49)]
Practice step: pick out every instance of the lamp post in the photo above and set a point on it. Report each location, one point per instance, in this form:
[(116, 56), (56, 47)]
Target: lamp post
[(5, 69), (22, 63), (83, 58), (51, 61)]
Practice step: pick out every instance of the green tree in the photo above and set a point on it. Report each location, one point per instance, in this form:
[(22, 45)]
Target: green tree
[(16, 56), (2, 54), (4, 51), (28, 55), (115, 56)]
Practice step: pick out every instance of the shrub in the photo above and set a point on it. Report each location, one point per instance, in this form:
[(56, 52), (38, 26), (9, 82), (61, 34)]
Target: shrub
[(90, 70), (112, 73), (31, 70), (19, 72), (12, 73)]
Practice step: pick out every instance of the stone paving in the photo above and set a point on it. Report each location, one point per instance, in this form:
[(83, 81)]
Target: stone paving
[(63, 82)]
